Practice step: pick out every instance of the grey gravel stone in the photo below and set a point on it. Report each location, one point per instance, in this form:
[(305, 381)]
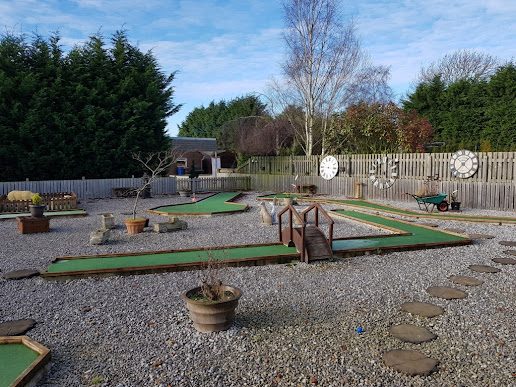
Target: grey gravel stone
[(298, 321)]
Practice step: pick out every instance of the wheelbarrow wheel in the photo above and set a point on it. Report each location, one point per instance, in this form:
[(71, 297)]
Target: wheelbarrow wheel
[(443, 206)]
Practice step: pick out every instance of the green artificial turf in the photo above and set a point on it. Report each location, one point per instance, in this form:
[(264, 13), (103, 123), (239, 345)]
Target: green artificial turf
[(47, 213), (420, 235), (379, 207), (213, 204), (14, 359), (281, 196), (168, 258)]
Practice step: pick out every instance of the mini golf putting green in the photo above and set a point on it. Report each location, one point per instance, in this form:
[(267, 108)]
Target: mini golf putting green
[(50, 214), (216, 204), (444, 216), (159, 261), (408, 236), (22, 361)]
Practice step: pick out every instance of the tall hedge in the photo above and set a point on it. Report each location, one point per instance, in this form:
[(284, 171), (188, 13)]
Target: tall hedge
[(81, 113)]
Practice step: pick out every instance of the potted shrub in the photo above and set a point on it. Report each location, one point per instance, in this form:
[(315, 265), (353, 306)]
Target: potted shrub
[(37, 208), (212, 305), (155, 163), (455, 205)]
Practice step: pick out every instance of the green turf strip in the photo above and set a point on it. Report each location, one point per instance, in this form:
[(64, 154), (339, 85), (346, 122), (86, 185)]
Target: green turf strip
[(95, 263), (49, 213), (14, 359), (420, 235), (213, 204), (379, 207)]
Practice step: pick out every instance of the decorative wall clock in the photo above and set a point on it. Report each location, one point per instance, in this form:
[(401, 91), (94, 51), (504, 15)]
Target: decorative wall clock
[(384, 172), (464, 164), (329, 167)]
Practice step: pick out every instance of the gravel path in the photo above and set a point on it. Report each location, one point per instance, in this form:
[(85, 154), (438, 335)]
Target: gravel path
[(295, 326)]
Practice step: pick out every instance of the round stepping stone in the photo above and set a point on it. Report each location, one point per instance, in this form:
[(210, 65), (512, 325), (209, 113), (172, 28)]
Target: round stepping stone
[(505, 261), (16, 327), (484, 269), (412, 333), (508, 243), (410, 362), (480, 236), (510, 252), (422, 309), (455, 230), (465, 280), (446, 292), (20, 274)]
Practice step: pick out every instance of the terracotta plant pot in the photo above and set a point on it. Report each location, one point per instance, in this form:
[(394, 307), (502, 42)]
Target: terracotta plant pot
[(212, 316), (288, 201), (36, 210), (135, 226)]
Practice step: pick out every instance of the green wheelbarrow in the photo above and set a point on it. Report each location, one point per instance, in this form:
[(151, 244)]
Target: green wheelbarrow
[(429, 203)]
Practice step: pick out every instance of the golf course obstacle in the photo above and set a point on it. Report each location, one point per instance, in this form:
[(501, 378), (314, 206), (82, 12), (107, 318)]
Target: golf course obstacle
[(220, 203), (405, 236), (310, 241), (23, 361)]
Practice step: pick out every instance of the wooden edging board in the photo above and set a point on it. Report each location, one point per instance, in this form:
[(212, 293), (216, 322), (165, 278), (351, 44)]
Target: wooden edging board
[(37, 367), (207, 213)]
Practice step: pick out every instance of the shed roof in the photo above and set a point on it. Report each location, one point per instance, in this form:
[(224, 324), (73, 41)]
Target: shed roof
[(194, 144)]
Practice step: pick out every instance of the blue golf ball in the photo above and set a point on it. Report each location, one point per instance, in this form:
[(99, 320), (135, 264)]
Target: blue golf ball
[(359, 330)]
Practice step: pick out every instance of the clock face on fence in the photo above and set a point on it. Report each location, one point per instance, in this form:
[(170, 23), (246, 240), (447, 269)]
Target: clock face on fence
[(329, 167), (384, 172), (463, 164)]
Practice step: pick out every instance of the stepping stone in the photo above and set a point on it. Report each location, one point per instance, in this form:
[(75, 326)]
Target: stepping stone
[(484, 269), (505, 261), (510, 252), (412, 333), (446, 292), (480, 236), (508, 243), (20, 274), (422, 309), (410, 362), (16, 327), (465, 280), (455, 230)]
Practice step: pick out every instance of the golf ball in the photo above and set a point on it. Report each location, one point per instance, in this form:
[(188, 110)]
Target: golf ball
[(359, 330)]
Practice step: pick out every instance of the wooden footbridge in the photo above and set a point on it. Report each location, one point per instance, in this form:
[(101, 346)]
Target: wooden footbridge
[(309, 240)]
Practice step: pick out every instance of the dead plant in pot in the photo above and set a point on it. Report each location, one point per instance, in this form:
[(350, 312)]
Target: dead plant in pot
[(212, 305)]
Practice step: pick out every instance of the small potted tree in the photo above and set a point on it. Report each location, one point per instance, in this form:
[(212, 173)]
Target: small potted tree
[(212, 305), (36, 208), (154, 163)]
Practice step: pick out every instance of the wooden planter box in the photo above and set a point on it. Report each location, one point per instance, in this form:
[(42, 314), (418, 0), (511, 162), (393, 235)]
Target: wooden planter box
[(52, 202), (30, 225)]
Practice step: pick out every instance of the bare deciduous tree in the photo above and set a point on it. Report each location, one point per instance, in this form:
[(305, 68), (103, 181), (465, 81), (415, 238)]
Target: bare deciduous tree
[(321, 67), (154, 164), (461, 64)]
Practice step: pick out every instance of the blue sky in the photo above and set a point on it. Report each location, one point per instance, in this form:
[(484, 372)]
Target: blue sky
[(224, 49)]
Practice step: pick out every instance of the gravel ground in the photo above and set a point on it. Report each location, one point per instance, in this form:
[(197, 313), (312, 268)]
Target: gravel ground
[(295, 325)]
